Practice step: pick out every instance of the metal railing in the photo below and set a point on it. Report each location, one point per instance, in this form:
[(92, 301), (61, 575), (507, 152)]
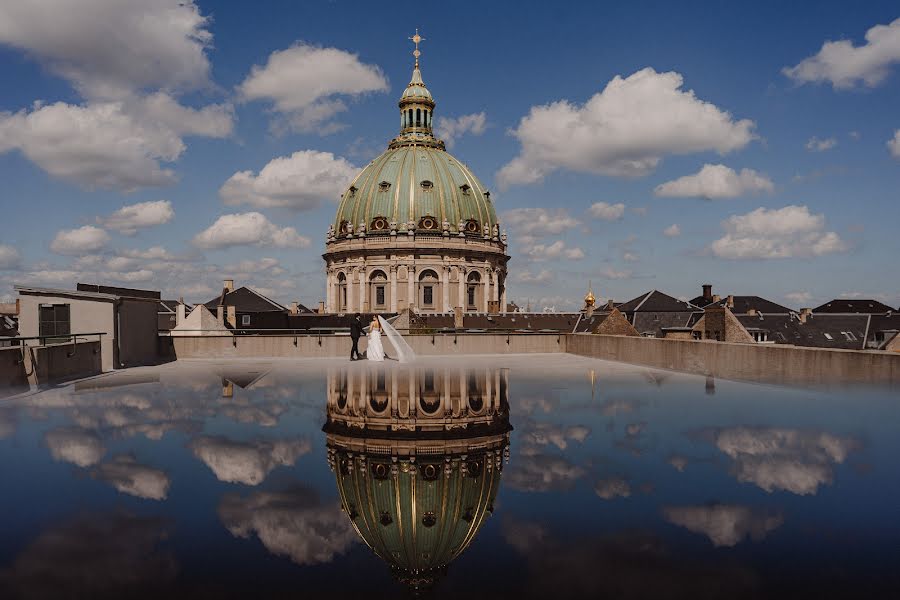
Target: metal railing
[(45, 340)]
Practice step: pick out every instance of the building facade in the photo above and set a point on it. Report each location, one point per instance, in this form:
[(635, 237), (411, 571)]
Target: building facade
[(416, 228)]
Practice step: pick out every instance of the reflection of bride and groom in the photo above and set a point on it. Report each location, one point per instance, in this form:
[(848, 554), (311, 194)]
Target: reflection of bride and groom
[(375, 348)]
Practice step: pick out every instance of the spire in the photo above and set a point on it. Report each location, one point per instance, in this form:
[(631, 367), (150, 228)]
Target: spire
[(415, 40), (416, 108), (589, 299)]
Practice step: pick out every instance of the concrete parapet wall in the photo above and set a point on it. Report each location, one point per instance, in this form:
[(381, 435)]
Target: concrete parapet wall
[(47, 364), (258, 346), (770, 363), (13, 377)]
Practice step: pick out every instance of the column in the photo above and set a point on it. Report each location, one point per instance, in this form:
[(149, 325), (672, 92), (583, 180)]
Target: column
[(445, 289), (411, 300), (462, 288), (393, 276), (362, 288), (495, 285), (351, 281), (503, 296), (486, 289)]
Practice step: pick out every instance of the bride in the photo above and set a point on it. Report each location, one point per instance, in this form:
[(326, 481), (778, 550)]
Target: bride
[(375, 350)]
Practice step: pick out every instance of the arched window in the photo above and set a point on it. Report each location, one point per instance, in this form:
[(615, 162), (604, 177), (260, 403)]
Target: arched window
[(474, 280), (426, 117), (378, 281), (410, 121), (342, 292), (418, 117), (428, 282)]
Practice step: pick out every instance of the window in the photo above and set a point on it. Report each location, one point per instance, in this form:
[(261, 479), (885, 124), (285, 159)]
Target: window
[(54, 319), (379, 295), (828, 337), (465, 188), (384, 186), (427, 184), (245, 320), (849, 336), (428, 295), (471, 293)]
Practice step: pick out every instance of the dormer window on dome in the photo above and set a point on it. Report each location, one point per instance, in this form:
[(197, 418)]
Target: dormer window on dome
[(427, 185), (464, 188), (384, 186), (428, 223), (472, 226), (352, 190), (379, 224), (343, 227)]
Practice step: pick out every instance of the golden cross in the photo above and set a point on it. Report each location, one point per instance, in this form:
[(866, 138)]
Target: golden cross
[(416, 39)]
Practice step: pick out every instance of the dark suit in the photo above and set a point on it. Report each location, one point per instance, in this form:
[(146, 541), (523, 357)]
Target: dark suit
[(356, 331)]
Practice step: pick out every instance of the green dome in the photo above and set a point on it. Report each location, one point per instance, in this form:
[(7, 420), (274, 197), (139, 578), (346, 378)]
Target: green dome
[(413, 183)]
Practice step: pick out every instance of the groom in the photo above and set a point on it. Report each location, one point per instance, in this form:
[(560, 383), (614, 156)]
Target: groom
[(356, 330)]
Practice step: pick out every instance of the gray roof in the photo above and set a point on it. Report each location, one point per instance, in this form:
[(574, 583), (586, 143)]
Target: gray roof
[(743, 304), (656, 301), (853, 305), (846, 332), (244, 299)]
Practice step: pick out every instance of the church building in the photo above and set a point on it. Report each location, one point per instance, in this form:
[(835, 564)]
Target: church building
[(415, 228)]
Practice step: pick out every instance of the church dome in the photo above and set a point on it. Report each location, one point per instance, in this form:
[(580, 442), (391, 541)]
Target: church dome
[(416, 184)]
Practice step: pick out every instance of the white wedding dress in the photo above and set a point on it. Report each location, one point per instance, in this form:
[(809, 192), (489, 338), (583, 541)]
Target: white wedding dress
[(375, 350)]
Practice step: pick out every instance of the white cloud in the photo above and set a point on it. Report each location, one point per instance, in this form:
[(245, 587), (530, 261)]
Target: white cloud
[(557, 249), (111, 49), (116, 145), (130, 477), (607, 212), (845, 66), (724, 525), (611, 273), (533, 223), (542, 473), (816, 145), (614, 487), (544, 434), (544, 276), (894, 145), (798, 297), (9, 257), (83, 240), (776, 233), (303, 82), (246, 229), (152, 253), (128, 219), (251, 267), (716, 181), (247, 462), (450, 129), (672, 230), (625, 130), (291, 523), (299, 181)]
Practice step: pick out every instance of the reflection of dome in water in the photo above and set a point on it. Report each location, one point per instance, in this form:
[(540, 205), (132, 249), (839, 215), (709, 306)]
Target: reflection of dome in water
[(418, 455)]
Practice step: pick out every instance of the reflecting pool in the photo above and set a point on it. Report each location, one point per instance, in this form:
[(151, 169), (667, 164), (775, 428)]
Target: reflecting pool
[(488, 477)]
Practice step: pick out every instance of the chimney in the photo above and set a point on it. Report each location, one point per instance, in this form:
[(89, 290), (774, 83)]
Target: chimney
[(295, 308), (321, 307), (707, 292), (716, 298), (610, 304), (179, 312), (805, 313), (232, 316), (220, 315), (227, 389), (751, 312), (730, 301), (229, 285)]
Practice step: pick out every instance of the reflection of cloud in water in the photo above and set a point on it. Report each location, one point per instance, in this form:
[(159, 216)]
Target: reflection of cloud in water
[(628, 564), (635, 429), (613, 487), (794, 460), (542, 434), (724, 525), (678, 462), (91, 556), (247, 462), (7, 422), (77, 446), (291, 523), (542, 473), (128, 476)]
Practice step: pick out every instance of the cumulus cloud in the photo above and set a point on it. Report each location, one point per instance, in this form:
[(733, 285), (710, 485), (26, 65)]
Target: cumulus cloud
[(543, 276), (130, 477), (715, 182), (299, 181), (451, 129), (245, 229), (542, 473), (798, 297), (893, 145), (625, 130), (74, 445), (305, 82), (613, 487), (250, 267), (130, 218), (557, 249), (9, 258), (291, 523), (606, 211), (845, 66), (786, 232), (724, 525), (533, 223), (611, 273), (247, 462), (793, 460), (79, 241), (814, 144), (115, 145), (672, 230)]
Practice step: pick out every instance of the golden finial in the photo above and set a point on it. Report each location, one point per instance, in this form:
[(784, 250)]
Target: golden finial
[(589, 299), (416, 39)]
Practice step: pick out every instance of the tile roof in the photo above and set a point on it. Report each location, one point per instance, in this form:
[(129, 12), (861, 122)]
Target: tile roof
[(841, 331), (245, 299), (656, 301), (853, 305), (743, 304)]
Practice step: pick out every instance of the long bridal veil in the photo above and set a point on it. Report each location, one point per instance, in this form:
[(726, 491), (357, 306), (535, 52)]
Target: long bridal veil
[(404, 352)]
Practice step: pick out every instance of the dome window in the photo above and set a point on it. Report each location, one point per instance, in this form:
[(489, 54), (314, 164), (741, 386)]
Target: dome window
[(465, 188), (384, 186), (429, 520), (427, 185), (342, 228), (352, 191), (428, 223), (472, 226), (380, 471), (379, 224), (430, 471), (385, 518)]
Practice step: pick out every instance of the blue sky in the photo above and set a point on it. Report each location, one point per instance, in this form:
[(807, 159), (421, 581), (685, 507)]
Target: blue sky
[(637, 145)]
